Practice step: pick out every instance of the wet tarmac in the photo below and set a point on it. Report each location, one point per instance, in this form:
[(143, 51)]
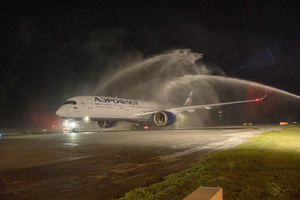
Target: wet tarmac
[(103, 165)]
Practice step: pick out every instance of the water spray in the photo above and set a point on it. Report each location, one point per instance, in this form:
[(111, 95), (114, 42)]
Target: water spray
[(168, 78)]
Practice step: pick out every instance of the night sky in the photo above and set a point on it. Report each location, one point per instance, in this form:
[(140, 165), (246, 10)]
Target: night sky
[(51, 52)]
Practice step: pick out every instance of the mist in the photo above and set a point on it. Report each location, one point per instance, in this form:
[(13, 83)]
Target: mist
[(51, 59), (168, 78)]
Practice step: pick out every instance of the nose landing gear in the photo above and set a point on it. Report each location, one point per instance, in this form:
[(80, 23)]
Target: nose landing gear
[(75, 130)]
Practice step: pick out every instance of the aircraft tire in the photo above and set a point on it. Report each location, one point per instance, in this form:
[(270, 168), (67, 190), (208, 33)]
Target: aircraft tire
[(75, 130)]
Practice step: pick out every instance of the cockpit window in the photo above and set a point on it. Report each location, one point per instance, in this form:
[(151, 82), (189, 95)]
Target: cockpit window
[(70, 102)]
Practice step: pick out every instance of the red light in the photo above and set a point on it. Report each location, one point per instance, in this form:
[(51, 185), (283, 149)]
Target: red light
[(257, 99), (283, 123)]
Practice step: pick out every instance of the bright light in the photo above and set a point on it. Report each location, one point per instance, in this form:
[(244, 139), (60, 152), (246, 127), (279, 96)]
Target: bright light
[(72, 124), (86, 118), (66, 123), (146, 127), (257, 99), (283, 123)]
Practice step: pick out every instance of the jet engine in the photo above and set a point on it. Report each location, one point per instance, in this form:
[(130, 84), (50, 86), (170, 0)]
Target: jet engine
[(107, 124), (164, 118)]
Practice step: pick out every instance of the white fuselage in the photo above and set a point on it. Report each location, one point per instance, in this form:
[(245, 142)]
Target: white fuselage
[(104, 108), (108, 110)]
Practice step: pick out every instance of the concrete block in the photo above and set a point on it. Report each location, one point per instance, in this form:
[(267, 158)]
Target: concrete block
[(206, 193)]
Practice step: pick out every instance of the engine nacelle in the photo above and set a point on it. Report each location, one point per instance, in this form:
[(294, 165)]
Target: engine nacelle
[(107, 124), (164, 118)]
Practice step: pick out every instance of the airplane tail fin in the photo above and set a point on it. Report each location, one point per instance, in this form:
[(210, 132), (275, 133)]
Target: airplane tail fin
[(188, 101)]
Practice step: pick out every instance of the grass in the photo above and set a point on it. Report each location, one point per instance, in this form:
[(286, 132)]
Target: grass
[(266, 167)]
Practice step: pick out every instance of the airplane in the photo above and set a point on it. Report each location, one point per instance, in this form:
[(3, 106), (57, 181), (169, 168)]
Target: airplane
[(107, 111)]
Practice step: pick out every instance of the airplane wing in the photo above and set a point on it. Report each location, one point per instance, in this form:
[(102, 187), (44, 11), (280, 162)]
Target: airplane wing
[(209, 106), (205, 106)]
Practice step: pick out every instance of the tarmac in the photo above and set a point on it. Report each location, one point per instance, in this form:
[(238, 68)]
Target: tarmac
[(104, 165)]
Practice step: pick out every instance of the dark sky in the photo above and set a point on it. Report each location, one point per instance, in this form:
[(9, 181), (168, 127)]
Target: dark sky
[(52, 48)]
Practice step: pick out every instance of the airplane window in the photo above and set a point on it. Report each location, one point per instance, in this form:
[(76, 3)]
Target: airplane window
[(73, 102), (70, 102)]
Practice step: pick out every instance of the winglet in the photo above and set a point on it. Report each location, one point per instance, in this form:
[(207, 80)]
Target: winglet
[(188, 101)]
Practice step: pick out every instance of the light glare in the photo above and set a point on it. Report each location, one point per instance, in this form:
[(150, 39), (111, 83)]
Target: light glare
[(72, 124), (86, 118)]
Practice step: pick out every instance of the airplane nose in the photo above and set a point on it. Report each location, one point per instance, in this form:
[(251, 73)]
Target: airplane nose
[(59, 112)]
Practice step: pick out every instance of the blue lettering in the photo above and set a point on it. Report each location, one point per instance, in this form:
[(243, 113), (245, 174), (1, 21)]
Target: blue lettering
[(97, 99), (102, 100), (116, 101)]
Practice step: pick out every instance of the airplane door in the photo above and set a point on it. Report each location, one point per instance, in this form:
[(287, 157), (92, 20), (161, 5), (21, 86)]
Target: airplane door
[(76, 108), (82, 103), (90, 104)]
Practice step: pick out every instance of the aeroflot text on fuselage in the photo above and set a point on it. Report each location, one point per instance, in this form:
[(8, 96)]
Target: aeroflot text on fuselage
[(116, 101)]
